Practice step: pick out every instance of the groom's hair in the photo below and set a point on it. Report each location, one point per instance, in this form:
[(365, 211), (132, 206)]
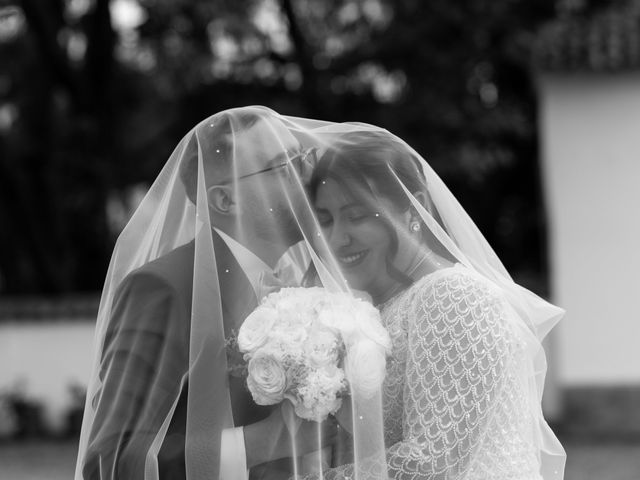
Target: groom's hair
[(214, 138)]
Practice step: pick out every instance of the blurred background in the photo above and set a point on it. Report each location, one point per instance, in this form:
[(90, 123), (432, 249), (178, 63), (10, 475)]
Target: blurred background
[(529, 111)]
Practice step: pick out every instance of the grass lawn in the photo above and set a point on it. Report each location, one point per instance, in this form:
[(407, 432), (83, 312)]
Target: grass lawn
[(56, 461), (42, 460)]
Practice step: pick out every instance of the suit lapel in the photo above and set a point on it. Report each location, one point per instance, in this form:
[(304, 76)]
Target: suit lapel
[(238, 301), (237, 295)]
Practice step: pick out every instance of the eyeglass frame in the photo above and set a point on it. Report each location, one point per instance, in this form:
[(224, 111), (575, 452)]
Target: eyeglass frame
[(304, 154)]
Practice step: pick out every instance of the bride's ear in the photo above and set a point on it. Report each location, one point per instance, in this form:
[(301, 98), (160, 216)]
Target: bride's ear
[(426, 202), (220, 199), (421, 197)]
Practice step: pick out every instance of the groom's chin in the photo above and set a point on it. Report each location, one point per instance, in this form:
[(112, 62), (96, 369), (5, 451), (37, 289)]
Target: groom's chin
[(291, 234)]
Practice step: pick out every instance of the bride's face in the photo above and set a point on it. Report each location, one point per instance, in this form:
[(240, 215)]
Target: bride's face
[(357, 237)]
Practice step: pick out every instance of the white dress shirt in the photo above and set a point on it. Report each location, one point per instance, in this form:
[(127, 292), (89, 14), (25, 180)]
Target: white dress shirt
[(233, 456), (233, 459)]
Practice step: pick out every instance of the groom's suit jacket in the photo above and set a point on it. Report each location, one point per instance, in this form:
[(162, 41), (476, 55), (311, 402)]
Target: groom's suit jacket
[(145, 357)]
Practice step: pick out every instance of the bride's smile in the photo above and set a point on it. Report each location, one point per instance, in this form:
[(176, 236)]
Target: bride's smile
[(352, 259), (360, 238)]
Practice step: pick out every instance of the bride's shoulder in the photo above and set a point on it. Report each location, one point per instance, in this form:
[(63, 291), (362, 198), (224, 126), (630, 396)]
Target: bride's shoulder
[(453, 285), (457, 300)]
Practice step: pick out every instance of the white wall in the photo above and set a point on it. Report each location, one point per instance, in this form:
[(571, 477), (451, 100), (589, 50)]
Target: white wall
[(590, 130), (46, 358)]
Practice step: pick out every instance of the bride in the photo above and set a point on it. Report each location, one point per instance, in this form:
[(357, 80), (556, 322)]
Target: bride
[(461, 397)]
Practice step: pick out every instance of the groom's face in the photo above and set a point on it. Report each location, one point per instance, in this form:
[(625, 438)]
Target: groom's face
[(268, 190)]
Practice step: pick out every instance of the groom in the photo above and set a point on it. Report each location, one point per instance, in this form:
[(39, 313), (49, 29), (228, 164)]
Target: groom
[(253, 225)]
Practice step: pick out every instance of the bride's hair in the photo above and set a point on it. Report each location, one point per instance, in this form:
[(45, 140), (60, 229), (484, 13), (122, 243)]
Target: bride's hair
[(372, 166)]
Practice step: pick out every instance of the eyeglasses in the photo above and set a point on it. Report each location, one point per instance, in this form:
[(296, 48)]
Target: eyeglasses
[(298, 161)]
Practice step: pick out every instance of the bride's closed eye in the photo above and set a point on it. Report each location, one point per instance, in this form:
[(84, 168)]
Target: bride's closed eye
[(355, 215), (358, 214), (324, 218)]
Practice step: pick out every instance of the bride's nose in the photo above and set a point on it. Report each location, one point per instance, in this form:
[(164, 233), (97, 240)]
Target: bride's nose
[(340, 237)]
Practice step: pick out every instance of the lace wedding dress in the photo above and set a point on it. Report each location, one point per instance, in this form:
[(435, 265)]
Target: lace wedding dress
[(455, 405)]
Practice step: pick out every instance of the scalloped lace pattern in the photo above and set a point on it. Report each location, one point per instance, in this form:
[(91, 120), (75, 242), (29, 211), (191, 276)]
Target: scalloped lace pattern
[(455, 404)]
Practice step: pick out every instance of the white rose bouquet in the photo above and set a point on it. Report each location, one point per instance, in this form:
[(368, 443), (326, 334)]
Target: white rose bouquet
[(312, 347)]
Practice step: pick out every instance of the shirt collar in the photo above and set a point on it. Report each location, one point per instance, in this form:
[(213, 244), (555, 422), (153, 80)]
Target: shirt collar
[(252, 265)]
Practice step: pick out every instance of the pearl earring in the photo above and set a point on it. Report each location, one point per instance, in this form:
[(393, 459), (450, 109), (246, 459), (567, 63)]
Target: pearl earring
[(415, 226)]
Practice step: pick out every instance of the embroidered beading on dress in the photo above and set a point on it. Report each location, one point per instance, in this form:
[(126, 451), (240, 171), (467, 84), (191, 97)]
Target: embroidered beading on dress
[(455, 403)]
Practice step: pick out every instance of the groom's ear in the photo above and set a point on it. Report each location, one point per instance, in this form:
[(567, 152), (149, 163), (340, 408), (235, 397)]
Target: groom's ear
[(220, 199)]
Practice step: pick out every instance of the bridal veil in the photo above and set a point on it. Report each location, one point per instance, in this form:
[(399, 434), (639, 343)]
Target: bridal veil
[(228, 220)]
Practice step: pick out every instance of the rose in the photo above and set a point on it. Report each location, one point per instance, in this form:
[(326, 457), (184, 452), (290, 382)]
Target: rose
[(267, 379), (367, 319), (356, 319), (255, 330), (289, 332), (322, 348), (336, 317), (365, 367)]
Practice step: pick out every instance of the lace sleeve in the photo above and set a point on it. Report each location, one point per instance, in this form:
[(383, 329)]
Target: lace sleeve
[(456, 357)]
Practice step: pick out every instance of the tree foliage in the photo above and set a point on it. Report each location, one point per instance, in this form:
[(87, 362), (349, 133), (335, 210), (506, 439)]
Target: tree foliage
[(92, 102)]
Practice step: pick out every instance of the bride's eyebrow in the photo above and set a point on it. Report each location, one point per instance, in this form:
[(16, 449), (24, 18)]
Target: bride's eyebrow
[(348, 206), (351, 206)]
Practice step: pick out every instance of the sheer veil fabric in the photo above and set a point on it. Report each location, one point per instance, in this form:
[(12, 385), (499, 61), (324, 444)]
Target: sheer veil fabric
[(236, 203)]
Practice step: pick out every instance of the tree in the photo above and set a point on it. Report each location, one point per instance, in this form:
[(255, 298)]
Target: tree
[(98, 105)]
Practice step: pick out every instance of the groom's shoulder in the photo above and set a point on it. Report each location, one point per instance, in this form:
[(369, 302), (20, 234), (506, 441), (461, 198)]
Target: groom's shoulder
[(152, 297), (177, 262), (172, 271)]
